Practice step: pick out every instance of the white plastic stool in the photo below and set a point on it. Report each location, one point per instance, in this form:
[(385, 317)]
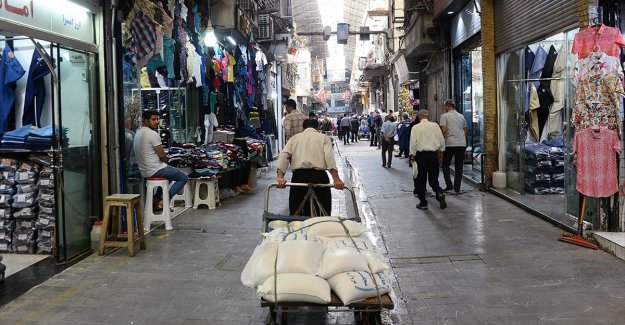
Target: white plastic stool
[(149, 215), (186, 196), (212, 193)]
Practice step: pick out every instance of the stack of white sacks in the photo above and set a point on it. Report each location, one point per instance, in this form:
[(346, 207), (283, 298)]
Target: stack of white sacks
[(313, 258)]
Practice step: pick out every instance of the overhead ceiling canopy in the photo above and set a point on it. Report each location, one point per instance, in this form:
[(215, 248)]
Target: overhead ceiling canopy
[(307, 17)]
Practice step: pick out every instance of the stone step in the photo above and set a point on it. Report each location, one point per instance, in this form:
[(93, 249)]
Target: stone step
[(612, 242)]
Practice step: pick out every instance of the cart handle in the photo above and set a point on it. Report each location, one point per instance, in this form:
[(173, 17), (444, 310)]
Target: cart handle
[(351, 191)]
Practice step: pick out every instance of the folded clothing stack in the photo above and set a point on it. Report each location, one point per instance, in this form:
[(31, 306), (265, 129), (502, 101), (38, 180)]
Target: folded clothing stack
[(544, 168), (25, 207), (7, 190), (33, 138), (46, 218)]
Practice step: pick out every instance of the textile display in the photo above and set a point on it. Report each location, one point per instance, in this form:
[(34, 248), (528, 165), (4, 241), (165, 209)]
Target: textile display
[(544, 168), (596, 161)]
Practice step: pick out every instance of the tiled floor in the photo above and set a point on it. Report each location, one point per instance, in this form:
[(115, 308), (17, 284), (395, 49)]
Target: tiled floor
[(18, 262)]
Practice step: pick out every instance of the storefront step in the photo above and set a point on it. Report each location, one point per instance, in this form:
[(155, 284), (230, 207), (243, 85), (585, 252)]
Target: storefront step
[(612, 242)]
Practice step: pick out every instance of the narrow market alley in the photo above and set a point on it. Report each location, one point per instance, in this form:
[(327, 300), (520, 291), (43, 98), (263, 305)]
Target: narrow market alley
[(480, 261)]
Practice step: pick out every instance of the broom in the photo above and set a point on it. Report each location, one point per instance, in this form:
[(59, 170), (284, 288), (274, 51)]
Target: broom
[(579, 238)]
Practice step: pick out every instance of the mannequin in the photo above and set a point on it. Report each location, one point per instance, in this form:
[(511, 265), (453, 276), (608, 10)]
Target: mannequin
[(210, 125)]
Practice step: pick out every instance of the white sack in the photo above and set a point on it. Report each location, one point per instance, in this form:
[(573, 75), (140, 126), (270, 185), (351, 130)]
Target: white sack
[(337, 260), (296, 287), (299, 256), (260, 266), (374, 258), (330, 227), (281, 234), (356, 286)]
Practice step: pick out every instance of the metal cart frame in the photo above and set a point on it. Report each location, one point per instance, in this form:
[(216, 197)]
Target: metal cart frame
[(366, 311)]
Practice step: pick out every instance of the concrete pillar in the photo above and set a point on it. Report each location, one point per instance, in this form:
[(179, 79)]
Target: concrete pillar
[(490, 92)]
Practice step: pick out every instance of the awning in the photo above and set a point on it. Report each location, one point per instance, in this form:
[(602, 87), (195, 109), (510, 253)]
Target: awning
[(374, 70)]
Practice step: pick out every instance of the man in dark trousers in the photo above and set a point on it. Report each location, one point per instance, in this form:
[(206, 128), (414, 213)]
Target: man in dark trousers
[(371, 124), (310, 155), (346, 127), (355, 125), (377, 121), (454, 128), (427, 145)]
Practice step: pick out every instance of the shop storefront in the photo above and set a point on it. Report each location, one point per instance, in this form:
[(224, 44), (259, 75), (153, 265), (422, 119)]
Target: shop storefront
[(468, 90), (192, 74), (537, 105), (50, 149)]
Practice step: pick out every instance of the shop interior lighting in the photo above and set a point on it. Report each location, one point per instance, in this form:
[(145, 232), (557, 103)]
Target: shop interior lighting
[(231, 40), (450, 12), (72, 8), (210, 39)]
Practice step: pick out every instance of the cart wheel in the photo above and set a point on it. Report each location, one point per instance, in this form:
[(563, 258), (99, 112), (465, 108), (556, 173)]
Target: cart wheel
[(368, 317)]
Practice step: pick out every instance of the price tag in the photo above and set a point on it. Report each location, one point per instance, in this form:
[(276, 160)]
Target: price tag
[(44, 182), (21, 198), (22, 236), (22, 248), (23, 175), (44, 221), (26, 224), (46, 233), (4, 247), (26, 188), (2, 235)]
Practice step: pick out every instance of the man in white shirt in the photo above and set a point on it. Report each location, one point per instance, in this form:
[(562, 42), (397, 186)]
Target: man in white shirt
[(454, 128), (346, 127), (310, 154), (151, 158), (426, 148), (388, 131)]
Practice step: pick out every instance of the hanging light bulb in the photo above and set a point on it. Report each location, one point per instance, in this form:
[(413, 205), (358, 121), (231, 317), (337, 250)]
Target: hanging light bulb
[(210, 39)]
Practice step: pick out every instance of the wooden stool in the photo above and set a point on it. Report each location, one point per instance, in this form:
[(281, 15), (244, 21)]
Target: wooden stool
[(132, 203)]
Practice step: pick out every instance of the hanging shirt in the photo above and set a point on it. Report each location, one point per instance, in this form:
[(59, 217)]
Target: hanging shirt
[(598, 93), (231, 63), (608, 39), (261, 60), (10, 72), (596, 162), (143, 42)]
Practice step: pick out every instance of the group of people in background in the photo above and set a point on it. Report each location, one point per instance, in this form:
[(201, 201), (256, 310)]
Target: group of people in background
[(425, 143)]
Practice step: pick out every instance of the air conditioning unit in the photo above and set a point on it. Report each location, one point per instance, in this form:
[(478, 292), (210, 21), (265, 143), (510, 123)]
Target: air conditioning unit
[(265, 27)]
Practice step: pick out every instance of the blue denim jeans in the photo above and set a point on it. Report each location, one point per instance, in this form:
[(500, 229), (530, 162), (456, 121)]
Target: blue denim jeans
[(10, 71), (173, 175)]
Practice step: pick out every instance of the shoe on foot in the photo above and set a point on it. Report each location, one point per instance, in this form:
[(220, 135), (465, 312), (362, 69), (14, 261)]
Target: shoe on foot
[(422, 206), (389, 165), (441, 199), (384, 165), (448, 189), (397, 156)]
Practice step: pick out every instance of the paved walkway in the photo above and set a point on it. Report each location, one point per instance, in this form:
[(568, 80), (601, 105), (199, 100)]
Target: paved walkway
[(480, 261)]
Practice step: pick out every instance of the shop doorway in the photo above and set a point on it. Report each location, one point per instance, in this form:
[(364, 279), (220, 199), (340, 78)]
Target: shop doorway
[(79, 181), (470, 103)]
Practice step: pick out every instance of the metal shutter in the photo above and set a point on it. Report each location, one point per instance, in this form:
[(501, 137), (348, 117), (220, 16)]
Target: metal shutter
[(521, 22)]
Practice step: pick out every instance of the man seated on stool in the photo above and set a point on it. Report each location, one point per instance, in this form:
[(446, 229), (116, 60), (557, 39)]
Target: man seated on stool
[(310, 154), (152, 160)]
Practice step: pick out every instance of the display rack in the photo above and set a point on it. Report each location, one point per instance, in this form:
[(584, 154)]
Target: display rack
[(170, 102)]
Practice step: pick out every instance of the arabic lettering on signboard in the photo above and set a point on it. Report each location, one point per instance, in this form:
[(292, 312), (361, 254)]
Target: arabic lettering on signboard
[(23, 11)]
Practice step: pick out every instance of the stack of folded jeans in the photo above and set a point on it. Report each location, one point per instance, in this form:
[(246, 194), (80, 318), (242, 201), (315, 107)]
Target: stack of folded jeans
[(45, 220), (544, 168), (16, 138), (39, 139), (7, 190), (25, 207)]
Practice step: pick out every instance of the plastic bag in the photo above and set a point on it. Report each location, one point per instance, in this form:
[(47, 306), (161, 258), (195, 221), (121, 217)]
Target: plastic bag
[(24, 200)]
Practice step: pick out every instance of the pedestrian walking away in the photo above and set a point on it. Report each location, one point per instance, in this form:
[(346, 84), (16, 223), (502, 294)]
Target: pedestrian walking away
[(309, 154), (388, 131), (403, 134), (293, 119), (355, 125), (454, 128), (378, 128), (346, 127), (426, 149), (152, 160), (371, 124)]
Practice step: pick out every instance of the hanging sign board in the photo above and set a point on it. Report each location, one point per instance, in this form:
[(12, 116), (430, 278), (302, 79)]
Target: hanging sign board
[(56, 17)]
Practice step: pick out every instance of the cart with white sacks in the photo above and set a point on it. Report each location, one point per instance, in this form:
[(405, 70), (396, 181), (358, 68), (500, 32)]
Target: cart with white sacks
[(318, 261)]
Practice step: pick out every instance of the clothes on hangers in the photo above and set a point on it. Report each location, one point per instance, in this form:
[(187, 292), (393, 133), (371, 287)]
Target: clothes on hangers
[(596, 161), (598, 93), (10, 72), (608, 39)]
